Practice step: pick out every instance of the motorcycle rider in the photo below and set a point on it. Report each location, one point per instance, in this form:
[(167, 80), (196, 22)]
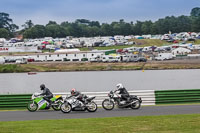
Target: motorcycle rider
[(78, 95), (47, 94), (124, 93)]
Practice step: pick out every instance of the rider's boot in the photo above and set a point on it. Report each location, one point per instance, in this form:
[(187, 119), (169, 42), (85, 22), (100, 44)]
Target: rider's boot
[(49, 104)]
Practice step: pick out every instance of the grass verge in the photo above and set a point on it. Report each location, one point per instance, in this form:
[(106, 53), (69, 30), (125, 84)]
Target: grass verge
[(87, 66), (142, 124), (10, 68)]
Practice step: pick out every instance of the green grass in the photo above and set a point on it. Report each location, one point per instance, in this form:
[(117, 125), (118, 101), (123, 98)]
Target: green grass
[(10, 68), (139, 43), (196, 41), (149, 42), (139, 124), (107, 48)]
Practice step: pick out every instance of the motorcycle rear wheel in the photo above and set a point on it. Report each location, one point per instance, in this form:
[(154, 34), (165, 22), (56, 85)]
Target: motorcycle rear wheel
[(91, 107), (66, 108), (108, 104), (136, 104), (32, 106), (57, 107)]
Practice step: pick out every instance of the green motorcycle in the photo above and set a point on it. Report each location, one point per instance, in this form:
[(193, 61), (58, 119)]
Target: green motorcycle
[(38, 103)]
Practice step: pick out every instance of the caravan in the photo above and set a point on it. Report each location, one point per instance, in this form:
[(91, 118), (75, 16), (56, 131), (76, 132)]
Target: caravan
[(111, 58), (164, 56)]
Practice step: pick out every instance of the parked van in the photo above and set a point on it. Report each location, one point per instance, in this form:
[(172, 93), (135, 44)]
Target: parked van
[(110, 58), (164, 56)]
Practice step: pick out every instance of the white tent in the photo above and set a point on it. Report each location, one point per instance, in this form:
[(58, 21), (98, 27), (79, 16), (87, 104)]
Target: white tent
[(181, 51)]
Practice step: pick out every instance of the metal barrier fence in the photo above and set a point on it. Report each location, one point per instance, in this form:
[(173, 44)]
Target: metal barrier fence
[(14, 101), (177, 96), (20, 101), (149, 97)]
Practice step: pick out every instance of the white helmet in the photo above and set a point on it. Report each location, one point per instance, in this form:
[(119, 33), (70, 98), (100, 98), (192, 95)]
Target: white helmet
[(119, 86)]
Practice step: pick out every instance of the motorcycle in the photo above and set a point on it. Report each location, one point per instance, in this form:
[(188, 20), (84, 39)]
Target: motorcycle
[(114, 99), (72, 103), (38, 103)]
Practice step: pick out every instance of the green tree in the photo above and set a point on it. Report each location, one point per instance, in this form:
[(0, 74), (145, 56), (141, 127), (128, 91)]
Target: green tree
[(51, 23), (82, 21), (65, 24), (196, 24), (195, 12), (93, 31), (4, 33), (28, 24), (94, 23), (146, 27), (106, 30), (6, 22), (38, 31), (55, 30), (137, 28)]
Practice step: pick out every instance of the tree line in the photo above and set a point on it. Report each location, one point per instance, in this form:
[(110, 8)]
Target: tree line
[(87, 28)]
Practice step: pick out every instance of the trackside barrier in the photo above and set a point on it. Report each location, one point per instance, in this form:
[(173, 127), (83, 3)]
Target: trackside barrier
[(149, 97), (14, 101), (177, 96), (21, 100)]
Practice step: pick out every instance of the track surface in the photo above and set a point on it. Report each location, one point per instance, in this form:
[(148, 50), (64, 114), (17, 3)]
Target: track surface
[(143, 111)]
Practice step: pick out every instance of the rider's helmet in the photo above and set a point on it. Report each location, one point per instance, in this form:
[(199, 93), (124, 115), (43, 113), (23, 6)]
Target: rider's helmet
[(119, 86), (42, 86), (73, 91)]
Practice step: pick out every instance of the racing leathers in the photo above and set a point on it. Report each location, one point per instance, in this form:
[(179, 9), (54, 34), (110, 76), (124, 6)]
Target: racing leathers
[(124, 94), (47, 95), (79, 96)]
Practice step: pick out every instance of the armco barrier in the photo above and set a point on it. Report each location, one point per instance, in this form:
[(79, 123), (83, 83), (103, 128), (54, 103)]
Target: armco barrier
[(149, 97), (20, 101), (14, 101), (177, 96)]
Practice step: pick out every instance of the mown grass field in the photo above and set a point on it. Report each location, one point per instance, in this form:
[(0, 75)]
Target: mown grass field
[(87, 66), (139, 43), (139, 124)]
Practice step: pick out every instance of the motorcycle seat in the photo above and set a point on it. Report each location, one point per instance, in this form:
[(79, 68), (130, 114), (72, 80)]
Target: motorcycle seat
[(90, 99)]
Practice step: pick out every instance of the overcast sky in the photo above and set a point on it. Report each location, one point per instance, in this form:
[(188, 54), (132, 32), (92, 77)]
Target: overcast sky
[(41, 11)]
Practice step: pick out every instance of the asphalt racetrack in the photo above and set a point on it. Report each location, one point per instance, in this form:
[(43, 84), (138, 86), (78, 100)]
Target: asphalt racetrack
[(143, 111)]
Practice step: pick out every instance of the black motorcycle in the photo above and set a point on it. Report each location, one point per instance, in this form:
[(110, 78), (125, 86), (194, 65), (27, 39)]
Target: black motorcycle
[(108, 104), (72, 103)]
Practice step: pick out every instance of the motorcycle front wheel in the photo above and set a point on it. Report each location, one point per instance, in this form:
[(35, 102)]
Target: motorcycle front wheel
[(108, 104), (57, 106), (91, 107), (136, 104), (66, 108), (32, 106)]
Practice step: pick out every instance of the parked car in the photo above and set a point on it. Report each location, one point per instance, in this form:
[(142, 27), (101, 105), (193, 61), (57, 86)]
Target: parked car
[(141, 59), (21, 61), (110, 58), (30, 60), (96, 59)]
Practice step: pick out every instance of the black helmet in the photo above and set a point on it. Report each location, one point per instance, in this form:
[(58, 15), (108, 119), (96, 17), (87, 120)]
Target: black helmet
[(42, 86)]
